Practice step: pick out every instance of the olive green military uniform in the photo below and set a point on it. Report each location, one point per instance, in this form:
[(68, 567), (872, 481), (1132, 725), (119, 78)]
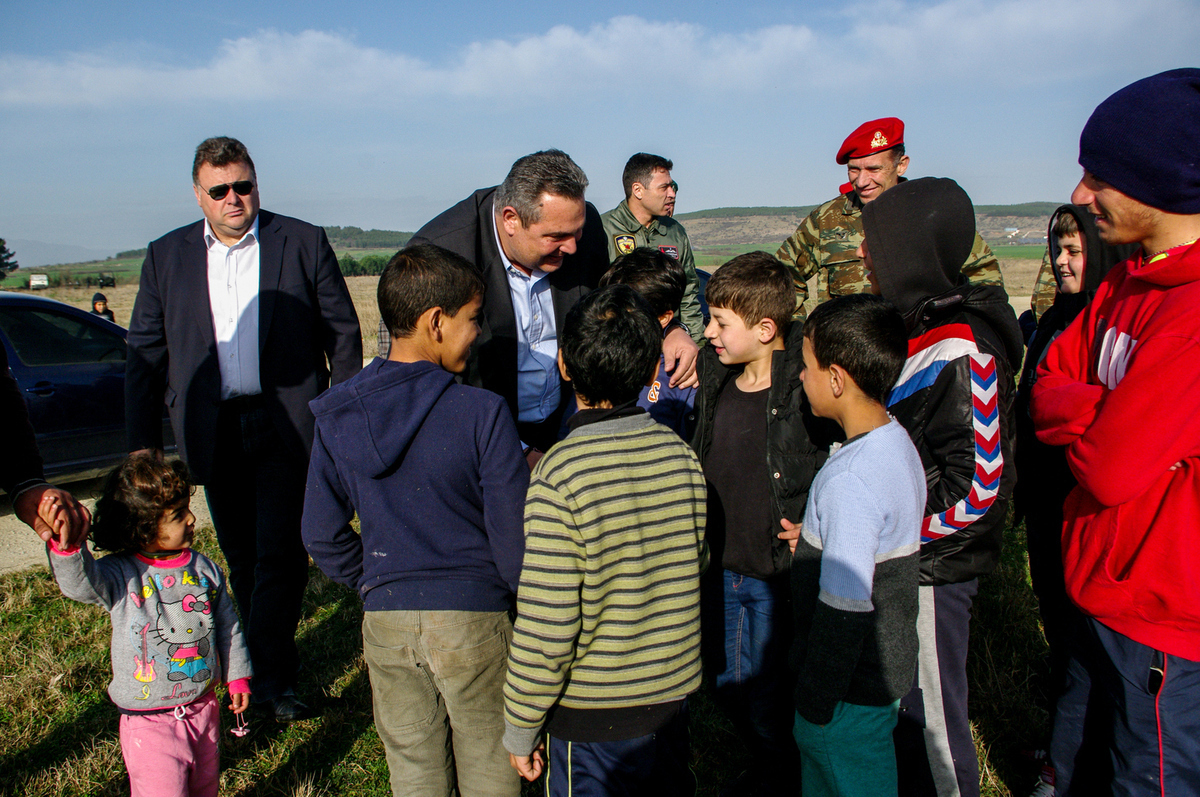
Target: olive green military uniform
[(625, 233), (1044, 289), (825, 244)]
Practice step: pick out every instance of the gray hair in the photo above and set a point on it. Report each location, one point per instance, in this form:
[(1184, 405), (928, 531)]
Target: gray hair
[(551, 172)]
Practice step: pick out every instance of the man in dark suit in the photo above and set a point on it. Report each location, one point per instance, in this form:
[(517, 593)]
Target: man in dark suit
[(240, 320), (540, 247)]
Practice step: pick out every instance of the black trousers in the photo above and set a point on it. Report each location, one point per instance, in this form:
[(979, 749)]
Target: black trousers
[(256, 497)]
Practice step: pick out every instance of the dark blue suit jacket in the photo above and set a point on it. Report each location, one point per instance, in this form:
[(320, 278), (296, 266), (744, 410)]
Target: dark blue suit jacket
[(468, 229), (307, 333)]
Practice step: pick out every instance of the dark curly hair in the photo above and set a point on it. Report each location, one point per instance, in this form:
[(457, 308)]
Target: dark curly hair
[(136, 496)]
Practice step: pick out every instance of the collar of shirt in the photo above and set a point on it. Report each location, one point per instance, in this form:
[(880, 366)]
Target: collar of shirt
[(211, 239), (233, 282)]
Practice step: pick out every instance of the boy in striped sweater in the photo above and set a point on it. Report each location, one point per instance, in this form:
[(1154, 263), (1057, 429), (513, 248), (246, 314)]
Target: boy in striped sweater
[(606, 646)]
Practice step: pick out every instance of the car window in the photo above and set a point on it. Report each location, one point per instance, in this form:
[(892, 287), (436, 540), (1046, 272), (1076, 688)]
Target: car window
[(42, 337)]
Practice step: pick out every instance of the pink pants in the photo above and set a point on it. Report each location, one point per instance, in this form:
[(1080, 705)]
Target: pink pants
[(174, 754)]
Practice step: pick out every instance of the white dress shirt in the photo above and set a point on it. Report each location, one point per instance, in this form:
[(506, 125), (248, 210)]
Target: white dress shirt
[(538, 385), (233, 300)]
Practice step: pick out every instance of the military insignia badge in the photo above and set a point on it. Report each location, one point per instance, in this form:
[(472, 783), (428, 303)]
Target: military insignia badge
[(670, 250), (880, 140), (625, 244)]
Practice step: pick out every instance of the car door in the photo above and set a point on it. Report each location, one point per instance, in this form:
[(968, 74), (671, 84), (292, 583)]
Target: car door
[(71, 370)]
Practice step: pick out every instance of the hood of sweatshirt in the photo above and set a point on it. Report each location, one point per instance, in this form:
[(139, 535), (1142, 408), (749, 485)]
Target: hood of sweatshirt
[(370, 419), (918, 234), (1099, 258), (1167, 272)]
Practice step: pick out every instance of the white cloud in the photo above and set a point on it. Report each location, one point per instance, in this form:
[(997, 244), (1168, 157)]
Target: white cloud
[(941, 45)]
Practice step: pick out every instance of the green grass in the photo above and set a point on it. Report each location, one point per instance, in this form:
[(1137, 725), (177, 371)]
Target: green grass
[(58, 732), (1020, 251), (728, 213), (126, 270), (709, 257)]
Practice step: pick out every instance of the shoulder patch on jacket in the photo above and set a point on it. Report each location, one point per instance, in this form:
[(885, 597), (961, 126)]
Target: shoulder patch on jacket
[(624, 243), (670, 250)]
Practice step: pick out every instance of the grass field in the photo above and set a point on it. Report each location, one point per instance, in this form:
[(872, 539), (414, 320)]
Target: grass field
[(58, 733), (126, 271), (1022, 251)]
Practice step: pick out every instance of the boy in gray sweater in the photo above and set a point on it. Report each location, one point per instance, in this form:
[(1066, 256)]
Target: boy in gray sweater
[(854, 575)]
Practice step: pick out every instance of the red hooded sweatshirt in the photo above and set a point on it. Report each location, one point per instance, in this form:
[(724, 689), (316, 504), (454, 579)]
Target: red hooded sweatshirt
[(1120, 388)]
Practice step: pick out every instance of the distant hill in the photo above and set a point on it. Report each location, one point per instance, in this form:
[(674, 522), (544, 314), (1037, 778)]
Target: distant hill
[(357, 238), (725, 213), (722, 231), (767, 227)]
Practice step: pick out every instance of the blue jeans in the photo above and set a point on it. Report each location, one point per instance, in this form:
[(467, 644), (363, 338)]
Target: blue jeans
[(752, 680)]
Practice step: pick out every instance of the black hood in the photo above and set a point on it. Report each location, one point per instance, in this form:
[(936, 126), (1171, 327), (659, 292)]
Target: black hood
[(918, 235), (1099, 259)]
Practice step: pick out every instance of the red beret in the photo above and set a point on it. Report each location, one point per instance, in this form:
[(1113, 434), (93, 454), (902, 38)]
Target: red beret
[(871, 137)]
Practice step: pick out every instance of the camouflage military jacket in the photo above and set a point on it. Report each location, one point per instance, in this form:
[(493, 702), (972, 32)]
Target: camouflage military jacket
[(625, 233), (1045, 289), (825, 244)]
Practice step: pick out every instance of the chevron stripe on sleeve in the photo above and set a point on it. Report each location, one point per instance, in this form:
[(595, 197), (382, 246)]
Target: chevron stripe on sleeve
[(928, 355)]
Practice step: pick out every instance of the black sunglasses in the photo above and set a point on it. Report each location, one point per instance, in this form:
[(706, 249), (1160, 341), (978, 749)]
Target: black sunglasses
[(241, 188)]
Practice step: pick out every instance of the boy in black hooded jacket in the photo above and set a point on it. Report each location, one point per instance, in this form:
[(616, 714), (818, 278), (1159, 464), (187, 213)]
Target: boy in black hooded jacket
[(1079, 262), (955, 398)]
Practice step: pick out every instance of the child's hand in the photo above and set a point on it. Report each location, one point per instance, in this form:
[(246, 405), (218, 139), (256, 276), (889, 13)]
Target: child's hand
[(528, 766), (52, 512), (791, 533), (239, 702)]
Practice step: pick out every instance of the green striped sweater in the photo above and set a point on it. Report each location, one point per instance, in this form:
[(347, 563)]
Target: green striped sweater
[(608, 609)]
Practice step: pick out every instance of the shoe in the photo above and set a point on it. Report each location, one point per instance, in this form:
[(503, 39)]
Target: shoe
[(287, 708), (1043, 789), (1046, 779)]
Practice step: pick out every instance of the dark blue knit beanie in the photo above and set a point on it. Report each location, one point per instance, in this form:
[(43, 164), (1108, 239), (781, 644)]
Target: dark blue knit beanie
[(1145, 141)]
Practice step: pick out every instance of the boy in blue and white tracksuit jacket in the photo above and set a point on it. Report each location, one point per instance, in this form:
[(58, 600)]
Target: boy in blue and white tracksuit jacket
[(954, 397)]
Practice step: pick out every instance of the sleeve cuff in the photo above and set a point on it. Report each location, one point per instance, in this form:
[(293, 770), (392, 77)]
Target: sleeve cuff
[(240, 686), (25, 486), (55, 549), (520, 741)]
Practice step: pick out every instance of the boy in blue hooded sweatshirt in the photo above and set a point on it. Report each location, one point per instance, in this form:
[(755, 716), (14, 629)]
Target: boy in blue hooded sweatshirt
[(435, 472)]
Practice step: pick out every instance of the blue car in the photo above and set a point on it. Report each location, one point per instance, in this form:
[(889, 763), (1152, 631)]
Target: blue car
[(70, 366)]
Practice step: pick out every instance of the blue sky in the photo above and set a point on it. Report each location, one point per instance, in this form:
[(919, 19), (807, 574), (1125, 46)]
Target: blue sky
[(382, 115)]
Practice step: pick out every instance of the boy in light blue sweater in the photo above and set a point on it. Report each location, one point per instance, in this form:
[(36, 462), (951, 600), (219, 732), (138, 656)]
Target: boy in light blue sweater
[(854, 575)]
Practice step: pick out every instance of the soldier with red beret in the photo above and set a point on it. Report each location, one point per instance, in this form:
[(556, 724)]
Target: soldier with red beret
[(826, 242)]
